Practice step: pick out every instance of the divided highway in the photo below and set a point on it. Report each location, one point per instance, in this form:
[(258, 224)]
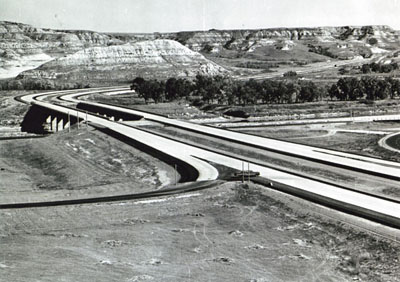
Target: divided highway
[(381, 210), (341, 159)]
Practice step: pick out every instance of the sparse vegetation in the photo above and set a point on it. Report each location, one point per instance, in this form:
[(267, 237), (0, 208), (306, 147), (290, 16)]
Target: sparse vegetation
[(321, 51), (257, 65)]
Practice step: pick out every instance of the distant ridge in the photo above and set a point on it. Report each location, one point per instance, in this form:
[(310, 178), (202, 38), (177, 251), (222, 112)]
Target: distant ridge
[(24, 47)]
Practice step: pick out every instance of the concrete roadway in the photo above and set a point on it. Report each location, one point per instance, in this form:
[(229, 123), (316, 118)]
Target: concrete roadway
[(361, 204), (362, 163), (172, 148)]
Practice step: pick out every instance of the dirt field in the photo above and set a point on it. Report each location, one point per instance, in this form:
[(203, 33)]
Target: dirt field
[(77, 164), (234, 232), (11, 111), (229, 233)]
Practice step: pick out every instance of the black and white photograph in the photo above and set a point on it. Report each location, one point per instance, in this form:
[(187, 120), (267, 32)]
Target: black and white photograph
[(199, 140)]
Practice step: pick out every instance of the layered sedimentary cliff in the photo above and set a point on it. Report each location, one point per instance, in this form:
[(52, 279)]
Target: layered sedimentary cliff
[(25, 47), (242, 39), (160, 57), (73, 54), (90, 55)]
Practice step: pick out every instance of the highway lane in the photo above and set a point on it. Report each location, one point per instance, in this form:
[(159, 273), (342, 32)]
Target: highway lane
[(169, 147), (363, 205), (326, 173), (310, 121), (361, 163)]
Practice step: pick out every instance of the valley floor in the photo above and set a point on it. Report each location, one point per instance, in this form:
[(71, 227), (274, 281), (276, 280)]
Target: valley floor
[(236, 232), (233, 232)]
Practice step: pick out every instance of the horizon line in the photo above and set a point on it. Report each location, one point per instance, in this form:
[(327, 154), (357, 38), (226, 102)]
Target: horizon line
[(204, 30)]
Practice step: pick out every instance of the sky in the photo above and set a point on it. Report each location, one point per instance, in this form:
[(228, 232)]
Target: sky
[(183, 15)]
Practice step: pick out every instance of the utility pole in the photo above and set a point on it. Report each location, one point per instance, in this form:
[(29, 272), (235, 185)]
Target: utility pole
[(86, 121), (176, 176), (69, 122), (77, 118), (248, 171), (242, 172)]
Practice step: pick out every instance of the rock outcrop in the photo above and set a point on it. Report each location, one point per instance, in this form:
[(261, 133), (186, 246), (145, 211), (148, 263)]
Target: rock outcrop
[(86, 54), (161, 58), (25, 47), (244, 39)]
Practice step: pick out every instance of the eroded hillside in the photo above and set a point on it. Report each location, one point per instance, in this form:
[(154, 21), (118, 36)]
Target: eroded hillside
[(162, 58), (93, 56)]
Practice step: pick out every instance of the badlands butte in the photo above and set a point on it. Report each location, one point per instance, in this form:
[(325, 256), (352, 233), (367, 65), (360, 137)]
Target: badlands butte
[(65, 57)]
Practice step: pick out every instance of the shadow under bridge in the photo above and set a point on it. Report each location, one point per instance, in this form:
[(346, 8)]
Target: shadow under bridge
[(42, 120)]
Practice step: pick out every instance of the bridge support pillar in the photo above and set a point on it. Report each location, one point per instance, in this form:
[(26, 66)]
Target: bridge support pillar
[(54, 124), (60, 124), (67, 125)]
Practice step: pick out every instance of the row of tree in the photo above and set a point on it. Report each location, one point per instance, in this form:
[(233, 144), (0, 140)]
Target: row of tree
[(370, 88), (379, 68), (224, 90), (39, 84)]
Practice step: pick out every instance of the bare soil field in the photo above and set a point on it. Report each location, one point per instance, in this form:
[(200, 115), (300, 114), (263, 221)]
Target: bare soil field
[(12, 111), (231, 233), (78, 164)]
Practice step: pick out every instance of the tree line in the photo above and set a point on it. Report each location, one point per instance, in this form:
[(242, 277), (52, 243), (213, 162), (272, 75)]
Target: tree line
[(379, 68), (39, 84), (370, 88), (225, 90)]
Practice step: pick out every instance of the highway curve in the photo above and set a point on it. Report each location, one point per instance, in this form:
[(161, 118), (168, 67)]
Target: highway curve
[(374, 208), (370, 165), (391, 142)]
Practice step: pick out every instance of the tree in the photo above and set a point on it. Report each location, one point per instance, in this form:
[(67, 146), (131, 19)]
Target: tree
[(394, 87), (370, 87), (307, 92), (293, 90), (137, 83), (350, 88), (384, 88), (171, 91), (290, 74), (207, 87), (365, 68), (334, 92)]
